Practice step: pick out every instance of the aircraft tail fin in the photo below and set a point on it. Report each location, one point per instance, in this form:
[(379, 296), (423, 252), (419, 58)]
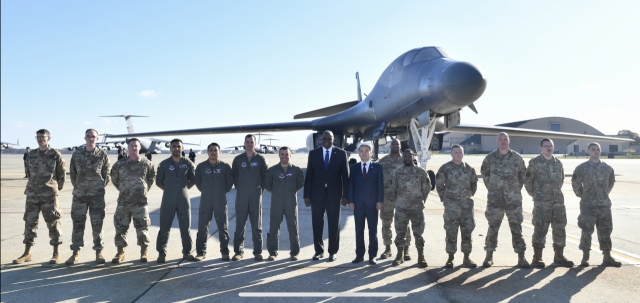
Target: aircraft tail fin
[(327, 111), (127, 117), (359, 91)]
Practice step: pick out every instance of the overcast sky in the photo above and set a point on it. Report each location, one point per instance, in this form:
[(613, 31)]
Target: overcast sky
[(193, 64)]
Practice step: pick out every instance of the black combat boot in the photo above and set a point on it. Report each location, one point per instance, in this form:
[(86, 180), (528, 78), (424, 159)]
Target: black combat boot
[(449, 263), (560, 259), (522, 261), (422, 262), (607, 260), (387, 252), (488, 260), (585, 258), (537, 258), (399, 257), (407, 256)]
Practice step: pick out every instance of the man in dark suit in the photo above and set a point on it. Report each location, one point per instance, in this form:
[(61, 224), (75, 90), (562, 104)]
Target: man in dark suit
[(366, 193), (325, 188)]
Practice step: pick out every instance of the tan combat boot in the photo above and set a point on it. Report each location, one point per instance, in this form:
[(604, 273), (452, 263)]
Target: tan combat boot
[(26, 256), (466, 262), (585, 258), (119, 256), (144, 249), (522, 261), (560, 259), (422, 262), (407, 256), (537, 258), (607, 260), (449, 263), (237, 257), (387, 252), (199, 257), (399, 257), (488, 260), (99, 257), (73, 259), (56, 255)]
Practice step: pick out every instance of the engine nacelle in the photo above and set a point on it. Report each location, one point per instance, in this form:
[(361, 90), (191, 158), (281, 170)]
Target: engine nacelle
[(118, 145), (70, 148), (167, 145)]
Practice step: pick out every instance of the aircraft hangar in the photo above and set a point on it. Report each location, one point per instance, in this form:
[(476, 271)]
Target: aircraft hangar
[(475, 143)]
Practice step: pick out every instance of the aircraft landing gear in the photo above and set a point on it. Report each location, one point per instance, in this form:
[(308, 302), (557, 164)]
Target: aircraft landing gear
[(421, 138), (376, 148)]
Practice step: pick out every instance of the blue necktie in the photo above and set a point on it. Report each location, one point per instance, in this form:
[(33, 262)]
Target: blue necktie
[(326, 161)]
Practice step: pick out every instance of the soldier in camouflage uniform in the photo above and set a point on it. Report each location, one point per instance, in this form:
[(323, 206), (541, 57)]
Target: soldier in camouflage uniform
[(503, 173), (592, 182), (133, 176), (410, 188), (543, 181), (456, 183), (390, 163), (89, 172), (46, 178)]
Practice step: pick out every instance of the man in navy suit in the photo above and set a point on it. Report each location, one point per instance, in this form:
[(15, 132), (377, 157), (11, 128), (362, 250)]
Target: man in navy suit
[(366, 193), (325, 188)]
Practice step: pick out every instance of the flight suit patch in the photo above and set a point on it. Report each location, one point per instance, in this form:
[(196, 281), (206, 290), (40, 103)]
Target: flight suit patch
[(254, 163), (217, 171), (171, 167), (183, 166), (208, 171), (244, 164), (281, 176)]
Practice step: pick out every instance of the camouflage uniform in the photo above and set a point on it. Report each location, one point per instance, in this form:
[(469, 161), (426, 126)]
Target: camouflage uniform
[(456, 184), (503, 175), (543, 181), (46, 178), (133, 178), (389, 164), (409, 190), (592, 183), (89, 172)]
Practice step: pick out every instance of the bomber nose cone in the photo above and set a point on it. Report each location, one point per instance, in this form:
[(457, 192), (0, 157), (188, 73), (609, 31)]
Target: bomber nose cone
[(463, 83)]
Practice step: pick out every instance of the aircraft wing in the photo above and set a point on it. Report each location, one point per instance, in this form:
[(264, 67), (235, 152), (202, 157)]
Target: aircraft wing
[(169, 141), (526, 132), (270, 127)]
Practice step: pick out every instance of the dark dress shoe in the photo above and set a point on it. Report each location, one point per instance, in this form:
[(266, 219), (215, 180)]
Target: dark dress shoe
[(317, 257), (333, 257), (358, 260), (373, 261)]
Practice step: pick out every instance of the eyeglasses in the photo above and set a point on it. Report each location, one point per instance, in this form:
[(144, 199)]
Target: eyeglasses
[(547, 146), (41, 137)]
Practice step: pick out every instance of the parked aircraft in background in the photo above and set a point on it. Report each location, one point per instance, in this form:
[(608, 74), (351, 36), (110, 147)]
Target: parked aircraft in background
[(7, 145), (417, 99), (152, 144)]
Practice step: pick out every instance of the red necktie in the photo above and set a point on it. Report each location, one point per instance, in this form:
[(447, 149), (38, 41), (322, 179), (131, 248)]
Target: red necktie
[(364, 171)]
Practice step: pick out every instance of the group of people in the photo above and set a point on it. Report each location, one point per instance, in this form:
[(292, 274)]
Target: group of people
[(393, 189)]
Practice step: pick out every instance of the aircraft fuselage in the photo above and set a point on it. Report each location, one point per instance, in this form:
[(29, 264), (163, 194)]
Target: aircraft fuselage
[(441, 85)]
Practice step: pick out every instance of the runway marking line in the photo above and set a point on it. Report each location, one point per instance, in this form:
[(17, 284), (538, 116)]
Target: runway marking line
[(322, 294)]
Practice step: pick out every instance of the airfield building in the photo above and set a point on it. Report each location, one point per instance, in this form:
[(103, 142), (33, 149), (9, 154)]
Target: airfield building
[(475, 143)]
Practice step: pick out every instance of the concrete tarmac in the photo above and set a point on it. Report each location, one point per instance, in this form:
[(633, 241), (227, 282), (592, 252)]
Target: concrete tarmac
[(214, 280)]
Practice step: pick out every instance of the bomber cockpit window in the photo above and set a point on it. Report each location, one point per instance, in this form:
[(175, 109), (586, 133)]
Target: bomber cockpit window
[(409, 57), (427, 54)]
